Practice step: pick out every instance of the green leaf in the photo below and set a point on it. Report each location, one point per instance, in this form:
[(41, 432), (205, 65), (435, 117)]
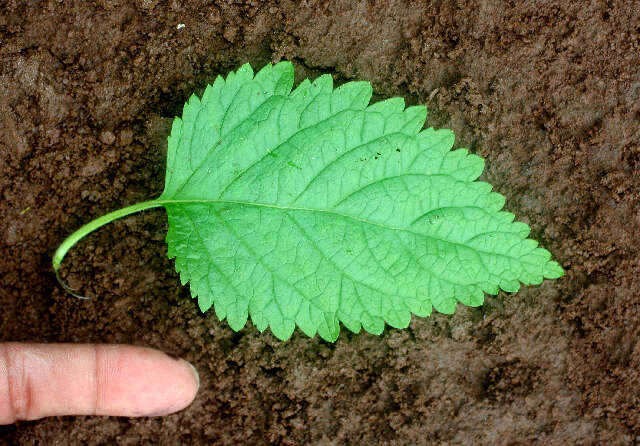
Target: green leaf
[(311, 207)]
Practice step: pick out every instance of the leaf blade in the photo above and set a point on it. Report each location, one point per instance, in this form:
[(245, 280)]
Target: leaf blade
[(312, 208)]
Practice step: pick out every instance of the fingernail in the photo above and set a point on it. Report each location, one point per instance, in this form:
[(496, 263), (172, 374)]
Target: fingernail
[(195, 373)]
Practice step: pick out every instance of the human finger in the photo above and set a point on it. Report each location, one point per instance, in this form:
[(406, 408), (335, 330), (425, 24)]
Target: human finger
[(40, 380)]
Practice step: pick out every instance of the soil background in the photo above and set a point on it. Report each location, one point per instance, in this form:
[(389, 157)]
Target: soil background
[(548, 92)]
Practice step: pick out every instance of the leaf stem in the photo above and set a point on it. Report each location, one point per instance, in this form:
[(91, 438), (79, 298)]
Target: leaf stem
[(95, 224)]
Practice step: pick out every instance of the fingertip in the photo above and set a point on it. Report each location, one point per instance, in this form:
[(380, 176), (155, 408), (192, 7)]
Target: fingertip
[(185, 388), (193, 368), (147, 382)]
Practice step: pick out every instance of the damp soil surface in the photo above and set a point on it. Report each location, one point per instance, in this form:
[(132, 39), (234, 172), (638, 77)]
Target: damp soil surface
[(548, 92)]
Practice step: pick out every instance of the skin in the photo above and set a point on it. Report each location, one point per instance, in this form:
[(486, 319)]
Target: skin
[(42, 380)]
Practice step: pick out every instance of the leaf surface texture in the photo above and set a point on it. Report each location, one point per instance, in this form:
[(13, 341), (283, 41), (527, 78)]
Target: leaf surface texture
[(312, 208)]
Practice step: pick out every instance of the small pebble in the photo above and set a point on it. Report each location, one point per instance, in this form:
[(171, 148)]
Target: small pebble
[(107, 137), (126, 137)]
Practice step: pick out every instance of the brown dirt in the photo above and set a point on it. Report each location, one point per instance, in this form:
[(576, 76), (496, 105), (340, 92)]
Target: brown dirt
[(548, 92)]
